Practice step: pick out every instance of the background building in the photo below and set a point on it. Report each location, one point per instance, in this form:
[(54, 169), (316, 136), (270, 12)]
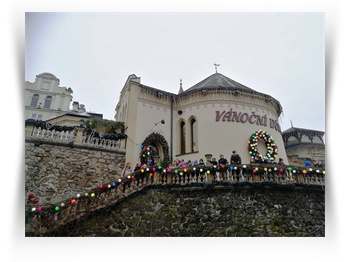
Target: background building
[(304, 145), (45, 99), (213, 117)]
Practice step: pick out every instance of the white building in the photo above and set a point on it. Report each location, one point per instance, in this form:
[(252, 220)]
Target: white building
[(213, 117), (45, 99)]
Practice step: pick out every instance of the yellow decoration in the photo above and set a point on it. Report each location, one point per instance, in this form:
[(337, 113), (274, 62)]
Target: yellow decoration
[(147, 148), (248, 142), (252, 147), (265, 169), (250, 152)]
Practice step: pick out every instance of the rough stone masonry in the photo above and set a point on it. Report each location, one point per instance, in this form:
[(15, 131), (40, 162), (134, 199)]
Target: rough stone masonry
[(54, 173), (232, 211)]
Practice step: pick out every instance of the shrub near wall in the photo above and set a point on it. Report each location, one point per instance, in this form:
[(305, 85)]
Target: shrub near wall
[(54, 172)]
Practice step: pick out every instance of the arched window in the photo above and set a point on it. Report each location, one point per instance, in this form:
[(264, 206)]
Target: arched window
[(35, 100), (317, 140), (305, 139), (183, 137), (48, 102), (292, 140), (194, 135)]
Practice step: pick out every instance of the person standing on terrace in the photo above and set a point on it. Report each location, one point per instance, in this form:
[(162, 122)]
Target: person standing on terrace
[(127, 170)]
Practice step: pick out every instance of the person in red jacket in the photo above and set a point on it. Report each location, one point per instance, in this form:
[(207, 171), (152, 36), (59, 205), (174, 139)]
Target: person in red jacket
[(32, 200)]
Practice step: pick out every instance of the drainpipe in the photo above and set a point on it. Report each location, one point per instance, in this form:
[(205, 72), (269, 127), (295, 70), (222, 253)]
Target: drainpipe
[(171, 126)]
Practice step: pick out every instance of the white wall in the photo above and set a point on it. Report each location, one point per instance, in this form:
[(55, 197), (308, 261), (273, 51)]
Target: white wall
[(213, 137), (147, 115), (222, 137)]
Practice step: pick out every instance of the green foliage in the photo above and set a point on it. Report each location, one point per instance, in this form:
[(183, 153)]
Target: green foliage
[(47, 125), (111, 135), (110, 125), (165, 162)]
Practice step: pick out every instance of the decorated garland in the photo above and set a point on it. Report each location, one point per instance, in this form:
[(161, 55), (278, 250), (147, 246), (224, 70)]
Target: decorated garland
[(269, 143), (87, 131), (183, 173), (146, 150)]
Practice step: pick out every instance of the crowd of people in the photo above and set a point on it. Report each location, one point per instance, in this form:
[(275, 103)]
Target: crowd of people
[(181, 163)]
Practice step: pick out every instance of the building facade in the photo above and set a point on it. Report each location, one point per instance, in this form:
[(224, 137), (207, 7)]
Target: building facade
[(304, 145), (213, 117), (45, 99)]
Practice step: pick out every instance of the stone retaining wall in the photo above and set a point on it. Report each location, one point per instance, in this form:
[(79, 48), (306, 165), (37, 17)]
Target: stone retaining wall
[(209, 211), (53, 172)]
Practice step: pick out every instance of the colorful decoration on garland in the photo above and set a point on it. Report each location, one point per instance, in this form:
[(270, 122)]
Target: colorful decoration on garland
[(203, 170), (269, 143)]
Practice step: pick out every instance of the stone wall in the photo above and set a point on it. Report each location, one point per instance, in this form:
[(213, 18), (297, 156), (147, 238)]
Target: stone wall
[(55, 172), (295, 160), (209, 211)]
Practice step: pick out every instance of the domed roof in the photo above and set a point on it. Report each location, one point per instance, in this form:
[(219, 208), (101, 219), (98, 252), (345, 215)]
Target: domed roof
[(47, 75), (218, 80)]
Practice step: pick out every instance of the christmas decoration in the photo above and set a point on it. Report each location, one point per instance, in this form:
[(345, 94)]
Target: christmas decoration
[(88, 131), (269, 143)]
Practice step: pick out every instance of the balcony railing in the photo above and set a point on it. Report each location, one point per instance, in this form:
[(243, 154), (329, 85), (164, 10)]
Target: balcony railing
[(77, 136)]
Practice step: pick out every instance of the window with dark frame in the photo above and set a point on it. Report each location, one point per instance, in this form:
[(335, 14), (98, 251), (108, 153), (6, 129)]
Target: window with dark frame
[(183, 137), (194, 135), (35, 99), (48, 102)]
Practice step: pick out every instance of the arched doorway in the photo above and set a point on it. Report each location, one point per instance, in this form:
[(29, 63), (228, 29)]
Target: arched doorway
[(157, 148)]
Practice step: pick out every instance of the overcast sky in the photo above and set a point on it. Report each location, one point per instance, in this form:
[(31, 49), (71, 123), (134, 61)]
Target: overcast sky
[(280, 54)]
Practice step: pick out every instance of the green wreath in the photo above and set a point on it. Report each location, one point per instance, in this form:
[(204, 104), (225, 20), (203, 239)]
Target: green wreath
[(269, 143), (146, 151)]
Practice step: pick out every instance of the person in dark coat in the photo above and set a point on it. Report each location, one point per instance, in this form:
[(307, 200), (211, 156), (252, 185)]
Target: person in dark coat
[(222, 160), (137, 167), (281, 162), (201, 162), (257, 160), (213, 161), (235, 158)]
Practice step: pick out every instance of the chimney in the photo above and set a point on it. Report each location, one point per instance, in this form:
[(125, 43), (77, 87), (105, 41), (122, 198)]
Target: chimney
[(82, 108), (75, 106)]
